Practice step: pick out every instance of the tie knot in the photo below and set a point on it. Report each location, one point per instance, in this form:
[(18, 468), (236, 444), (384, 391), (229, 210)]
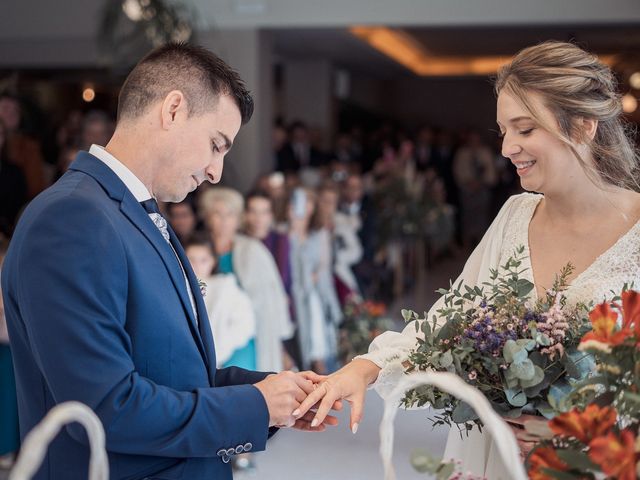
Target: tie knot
[(151, 206)]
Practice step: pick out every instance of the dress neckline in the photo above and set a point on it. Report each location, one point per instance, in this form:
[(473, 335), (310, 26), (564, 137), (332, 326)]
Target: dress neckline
[(533, 207)]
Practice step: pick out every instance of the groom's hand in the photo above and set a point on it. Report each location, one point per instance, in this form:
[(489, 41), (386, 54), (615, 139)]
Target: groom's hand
[(283, 393)]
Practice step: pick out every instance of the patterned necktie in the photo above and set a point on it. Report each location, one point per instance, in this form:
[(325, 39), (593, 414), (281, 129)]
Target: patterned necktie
[(151, 206)]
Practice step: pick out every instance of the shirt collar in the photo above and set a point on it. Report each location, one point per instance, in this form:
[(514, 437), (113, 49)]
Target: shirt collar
[(133, 183)]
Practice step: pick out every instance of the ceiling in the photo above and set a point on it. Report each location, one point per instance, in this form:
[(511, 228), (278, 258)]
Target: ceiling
[(347, 51)]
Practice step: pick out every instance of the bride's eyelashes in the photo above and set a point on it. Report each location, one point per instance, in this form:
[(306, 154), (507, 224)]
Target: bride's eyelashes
[(527, 131)]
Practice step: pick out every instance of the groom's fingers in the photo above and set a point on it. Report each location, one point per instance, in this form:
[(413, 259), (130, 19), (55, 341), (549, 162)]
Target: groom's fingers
[(306, 385), (313, 376)]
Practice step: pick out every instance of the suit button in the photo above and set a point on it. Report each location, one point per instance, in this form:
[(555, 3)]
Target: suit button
[(239, 449), (248, 446), (225, 459), (231, 451), (222, 452)]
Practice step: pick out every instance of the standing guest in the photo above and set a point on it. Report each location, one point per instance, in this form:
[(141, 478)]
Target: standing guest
[(117, 320), (299, 153), (13, 187), (183, 218), (22, 150), (475, 175), (316, 303), (9, 433), (259, 224), (96, 129), (346, 249), (257, 274)]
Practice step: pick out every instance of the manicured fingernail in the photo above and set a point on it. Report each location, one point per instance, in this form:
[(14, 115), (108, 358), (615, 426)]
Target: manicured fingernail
[(296, 413), (354, 429), (314, 423)]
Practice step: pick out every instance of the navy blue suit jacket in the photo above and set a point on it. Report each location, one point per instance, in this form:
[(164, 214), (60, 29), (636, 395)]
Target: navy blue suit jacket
[(98, 312)]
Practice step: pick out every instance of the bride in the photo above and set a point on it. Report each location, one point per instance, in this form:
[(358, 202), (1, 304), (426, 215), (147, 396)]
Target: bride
[(560, 119)]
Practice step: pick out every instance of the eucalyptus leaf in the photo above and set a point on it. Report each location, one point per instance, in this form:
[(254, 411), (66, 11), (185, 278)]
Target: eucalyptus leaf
[(513, 353), (523, 287), (463, 413), (542, 339), (527, 343), (576, 459), (445, 471), (446, 359), (524, 370), (538, 377), (516, 397), (424, 462)]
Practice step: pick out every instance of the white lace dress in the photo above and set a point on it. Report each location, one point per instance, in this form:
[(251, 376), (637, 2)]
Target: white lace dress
[(510, 229)]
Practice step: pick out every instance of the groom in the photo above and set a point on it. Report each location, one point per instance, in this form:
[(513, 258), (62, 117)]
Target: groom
[(103, 307)]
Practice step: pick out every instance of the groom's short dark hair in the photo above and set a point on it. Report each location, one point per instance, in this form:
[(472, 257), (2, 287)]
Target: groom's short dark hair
[(198, 73)]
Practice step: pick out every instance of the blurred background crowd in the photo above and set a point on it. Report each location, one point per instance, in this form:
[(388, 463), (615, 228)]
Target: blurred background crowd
[(371, 162)]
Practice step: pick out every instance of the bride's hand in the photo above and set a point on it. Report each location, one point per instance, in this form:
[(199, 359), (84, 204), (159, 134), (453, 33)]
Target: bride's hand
[(349, 383)]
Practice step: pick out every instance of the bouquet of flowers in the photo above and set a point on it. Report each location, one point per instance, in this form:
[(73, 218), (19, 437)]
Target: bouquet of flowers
[(599, 437), (523, 357), (363, 321)]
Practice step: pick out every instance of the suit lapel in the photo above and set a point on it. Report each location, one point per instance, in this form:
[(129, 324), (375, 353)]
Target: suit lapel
[(130, 207), (204, 327)]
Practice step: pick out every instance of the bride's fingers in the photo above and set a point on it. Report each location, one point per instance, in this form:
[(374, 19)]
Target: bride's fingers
[(331, 395), (312, 399), (357, 406)]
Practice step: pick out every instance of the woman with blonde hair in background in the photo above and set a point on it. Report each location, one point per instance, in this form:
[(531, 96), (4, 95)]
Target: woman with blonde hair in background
[(560, 117), (257, 274)]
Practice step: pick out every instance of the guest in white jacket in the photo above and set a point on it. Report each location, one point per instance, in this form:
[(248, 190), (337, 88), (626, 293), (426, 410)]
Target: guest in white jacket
[(230, 311), (257, 275)]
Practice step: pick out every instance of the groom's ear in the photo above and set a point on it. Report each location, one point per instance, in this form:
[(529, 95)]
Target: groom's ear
[(174, 104)]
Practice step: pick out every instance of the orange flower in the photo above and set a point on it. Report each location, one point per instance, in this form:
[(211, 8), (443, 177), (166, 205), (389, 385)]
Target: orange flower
[(631, 311), (604, 335), (615, 455), (593, 422), (545, 457)]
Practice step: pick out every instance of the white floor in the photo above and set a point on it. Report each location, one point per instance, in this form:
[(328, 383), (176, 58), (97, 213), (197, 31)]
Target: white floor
[(338, 454)]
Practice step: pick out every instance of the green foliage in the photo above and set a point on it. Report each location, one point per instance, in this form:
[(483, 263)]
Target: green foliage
[(496, 339)]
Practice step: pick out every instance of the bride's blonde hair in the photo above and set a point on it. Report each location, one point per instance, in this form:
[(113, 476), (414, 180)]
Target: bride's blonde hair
[(573, 85)]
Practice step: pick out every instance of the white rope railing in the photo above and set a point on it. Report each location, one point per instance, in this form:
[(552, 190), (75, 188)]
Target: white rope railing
[(501, 433), (34, 447)]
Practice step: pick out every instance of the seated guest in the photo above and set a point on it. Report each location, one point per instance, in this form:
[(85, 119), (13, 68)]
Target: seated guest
[(257, 275)]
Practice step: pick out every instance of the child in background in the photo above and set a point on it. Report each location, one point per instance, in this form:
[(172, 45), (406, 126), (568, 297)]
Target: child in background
[(228, 307)]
